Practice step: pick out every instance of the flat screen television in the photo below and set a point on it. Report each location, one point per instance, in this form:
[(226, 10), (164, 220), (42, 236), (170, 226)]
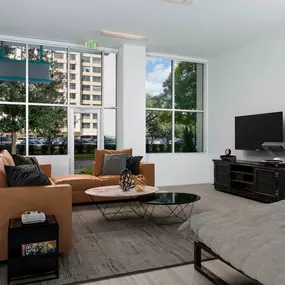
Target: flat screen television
[(253, 130)]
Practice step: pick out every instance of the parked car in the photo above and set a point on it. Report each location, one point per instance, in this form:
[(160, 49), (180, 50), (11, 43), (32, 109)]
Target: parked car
[(5, 140), (20, 139), (60, 141)]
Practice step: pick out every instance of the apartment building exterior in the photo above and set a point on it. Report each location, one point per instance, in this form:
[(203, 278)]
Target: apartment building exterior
[(85, 81), (85, 87)]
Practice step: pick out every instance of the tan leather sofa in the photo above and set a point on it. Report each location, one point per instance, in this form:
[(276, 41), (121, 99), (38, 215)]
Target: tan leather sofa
[(52, 199), (82, 182)]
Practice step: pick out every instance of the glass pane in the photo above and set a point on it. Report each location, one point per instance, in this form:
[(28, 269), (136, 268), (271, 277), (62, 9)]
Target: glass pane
[(110, 141), (85, 77), (12, 72), (13, 128), (158, 83), (47, 130), (158, 131), (47, 74), (188, 85), (188, 132), (109, 79), (85, 141)]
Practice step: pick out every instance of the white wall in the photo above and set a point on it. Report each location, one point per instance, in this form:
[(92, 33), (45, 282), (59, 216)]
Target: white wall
[(131, 98), (59, 163), (247, 80), (109, 93), (181, 168)]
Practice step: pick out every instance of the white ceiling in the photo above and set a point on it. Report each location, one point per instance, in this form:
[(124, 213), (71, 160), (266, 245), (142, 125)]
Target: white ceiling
[(200, 29)]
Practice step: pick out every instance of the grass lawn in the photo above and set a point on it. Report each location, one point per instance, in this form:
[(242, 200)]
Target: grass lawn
[(84, 155)]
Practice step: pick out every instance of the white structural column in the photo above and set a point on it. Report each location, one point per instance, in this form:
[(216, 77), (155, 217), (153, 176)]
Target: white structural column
[(131, 98), (200, 98)]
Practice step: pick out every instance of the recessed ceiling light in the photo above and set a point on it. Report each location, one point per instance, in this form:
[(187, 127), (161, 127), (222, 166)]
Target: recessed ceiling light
[(179, 1), (122, 35)]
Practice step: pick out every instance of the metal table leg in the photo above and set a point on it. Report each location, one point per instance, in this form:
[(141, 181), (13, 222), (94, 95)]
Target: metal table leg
[(173, 212)]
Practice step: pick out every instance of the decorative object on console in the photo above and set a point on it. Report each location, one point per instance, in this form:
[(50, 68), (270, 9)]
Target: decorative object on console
[(274, 149), (125, 179), (228, 156), (133, 163), (140, 183), (25, 175), (31, 217), (114, 164)]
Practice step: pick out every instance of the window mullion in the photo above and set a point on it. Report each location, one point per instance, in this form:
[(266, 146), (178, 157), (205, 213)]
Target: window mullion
[(102, 78), (27, 99), (173, 107)]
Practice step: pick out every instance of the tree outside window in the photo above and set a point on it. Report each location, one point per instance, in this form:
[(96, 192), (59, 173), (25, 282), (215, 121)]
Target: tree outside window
[(174, 101)]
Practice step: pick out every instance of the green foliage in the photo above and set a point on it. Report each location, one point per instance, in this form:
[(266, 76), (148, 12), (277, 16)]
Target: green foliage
[(84, 155), (158, 123), (86, 171), (45, 122)]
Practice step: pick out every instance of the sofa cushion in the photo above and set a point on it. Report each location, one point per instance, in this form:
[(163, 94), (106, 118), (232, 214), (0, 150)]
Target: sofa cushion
[(114, 164), (99, 158), (78, 182), (3, 179), (7, 158), (109, 180), (25, 175)]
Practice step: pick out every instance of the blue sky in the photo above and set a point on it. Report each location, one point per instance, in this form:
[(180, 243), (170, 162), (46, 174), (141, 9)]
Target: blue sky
[(157, 70)]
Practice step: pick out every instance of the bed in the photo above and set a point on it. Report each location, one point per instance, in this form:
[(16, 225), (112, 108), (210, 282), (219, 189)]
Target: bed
[(251, 240)]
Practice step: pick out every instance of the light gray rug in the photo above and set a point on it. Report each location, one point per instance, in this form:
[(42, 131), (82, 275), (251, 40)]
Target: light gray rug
[(110, 248)]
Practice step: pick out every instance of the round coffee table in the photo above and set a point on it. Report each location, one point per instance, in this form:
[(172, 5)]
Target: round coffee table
[(104, 196), (176, 204)]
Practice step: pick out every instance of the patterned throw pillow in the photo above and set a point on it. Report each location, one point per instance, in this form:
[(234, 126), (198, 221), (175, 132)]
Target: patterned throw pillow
[(133, 163), (25, 175), (26, 160)]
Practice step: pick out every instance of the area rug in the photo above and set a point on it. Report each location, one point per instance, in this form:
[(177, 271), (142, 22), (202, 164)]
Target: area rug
[(105, 249)]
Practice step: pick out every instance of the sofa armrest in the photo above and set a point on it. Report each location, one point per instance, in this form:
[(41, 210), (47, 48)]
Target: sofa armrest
[(52, 199), (46, 168), (147, 169)]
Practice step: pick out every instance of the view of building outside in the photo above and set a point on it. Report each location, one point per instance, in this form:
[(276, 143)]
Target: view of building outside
[(85, 87), (47, 99)]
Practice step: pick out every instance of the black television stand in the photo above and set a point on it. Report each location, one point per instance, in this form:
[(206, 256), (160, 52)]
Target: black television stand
[(249, 179)]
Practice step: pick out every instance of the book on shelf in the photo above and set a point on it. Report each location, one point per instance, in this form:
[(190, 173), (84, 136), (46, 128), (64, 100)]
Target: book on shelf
[(39, 248)]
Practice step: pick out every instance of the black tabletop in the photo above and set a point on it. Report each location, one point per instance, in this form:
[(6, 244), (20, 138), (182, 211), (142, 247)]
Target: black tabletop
[(171, 198)]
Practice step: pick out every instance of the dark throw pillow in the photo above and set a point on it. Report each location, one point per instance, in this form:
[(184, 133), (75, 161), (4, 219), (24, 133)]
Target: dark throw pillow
[(26, 160), (133, 163), (25, 175), (114, 164)]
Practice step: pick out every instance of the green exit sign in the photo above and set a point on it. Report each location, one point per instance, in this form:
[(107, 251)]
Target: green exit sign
[(90, 44)]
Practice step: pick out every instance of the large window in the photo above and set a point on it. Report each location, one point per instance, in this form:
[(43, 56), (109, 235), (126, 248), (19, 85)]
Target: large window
[(34, 116), (38, 116), (174, 106)]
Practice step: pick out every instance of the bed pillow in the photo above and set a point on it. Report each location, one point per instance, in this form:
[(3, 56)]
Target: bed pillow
[(25, 175)]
